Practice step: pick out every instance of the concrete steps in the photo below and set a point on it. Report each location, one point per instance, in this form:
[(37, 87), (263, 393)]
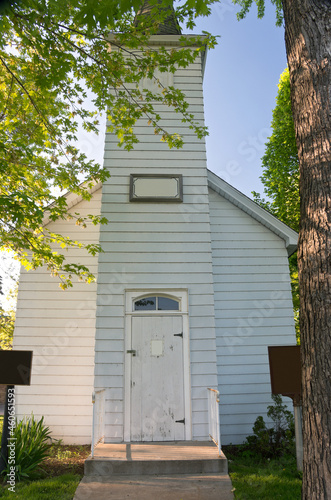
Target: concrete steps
[(156, 458), (174, 487)]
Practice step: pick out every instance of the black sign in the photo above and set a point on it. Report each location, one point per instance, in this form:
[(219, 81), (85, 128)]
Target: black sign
[(285, 371), (15, 367)]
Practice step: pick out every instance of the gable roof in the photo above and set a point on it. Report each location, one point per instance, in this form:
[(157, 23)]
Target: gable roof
[(254, 210)]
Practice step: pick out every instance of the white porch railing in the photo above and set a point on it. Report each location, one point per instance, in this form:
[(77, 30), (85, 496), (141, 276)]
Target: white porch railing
[(98, 418), (214, 417)]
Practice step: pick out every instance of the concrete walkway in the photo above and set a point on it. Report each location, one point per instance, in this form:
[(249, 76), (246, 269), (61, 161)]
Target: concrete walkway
[(174, 487)]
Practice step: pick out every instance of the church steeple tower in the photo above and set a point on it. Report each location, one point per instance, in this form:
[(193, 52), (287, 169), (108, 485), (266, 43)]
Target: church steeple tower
[(157, 244), (169, 26)]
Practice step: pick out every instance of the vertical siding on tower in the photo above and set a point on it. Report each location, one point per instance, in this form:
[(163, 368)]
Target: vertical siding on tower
[(157, 245)]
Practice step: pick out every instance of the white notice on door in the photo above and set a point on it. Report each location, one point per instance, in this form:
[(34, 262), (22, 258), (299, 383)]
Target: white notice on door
[(157, 347)]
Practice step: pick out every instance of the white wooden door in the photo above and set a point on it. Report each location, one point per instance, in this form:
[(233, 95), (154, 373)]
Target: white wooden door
[(157, 382)]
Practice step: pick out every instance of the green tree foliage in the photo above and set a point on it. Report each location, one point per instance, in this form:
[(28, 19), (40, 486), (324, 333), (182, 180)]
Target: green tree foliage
[(52, 53), (280, 162), (280, 176), (7, 321), (8, 299)]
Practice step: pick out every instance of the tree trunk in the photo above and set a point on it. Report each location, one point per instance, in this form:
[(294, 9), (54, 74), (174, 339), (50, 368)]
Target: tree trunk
[(308, 45)]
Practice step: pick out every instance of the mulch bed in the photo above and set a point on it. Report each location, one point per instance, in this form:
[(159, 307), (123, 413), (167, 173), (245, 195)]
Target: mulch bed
[(66, 459)]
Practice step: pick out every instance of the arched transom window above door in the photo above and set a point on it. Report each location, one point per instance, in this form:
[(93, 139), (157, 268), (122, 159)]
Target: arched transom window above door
[(156, 303)]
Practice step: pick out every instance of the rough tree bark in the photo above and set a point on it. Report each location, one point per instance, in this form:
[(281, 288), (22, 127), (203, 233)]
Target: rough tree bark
[(308, 45)]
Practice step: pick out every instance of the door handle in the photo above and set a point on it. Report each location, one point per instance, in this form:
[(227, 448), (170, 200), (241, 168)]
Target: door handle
[(132, 351)]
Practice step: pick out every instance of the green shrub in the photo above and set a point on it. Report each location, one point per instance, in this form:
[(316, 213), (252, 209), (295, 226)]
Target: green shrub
[(32, 443), (273, 441)]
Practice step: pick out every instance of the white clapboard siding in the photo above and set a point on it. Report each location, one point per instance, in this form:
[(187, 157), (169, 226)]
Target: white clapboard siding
[(252, 310), (59, 326), (157, 246)]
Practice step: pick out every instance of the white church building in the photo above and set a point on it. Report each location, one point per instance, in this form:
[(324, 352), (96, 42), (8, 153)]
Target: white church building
[(192, 287)]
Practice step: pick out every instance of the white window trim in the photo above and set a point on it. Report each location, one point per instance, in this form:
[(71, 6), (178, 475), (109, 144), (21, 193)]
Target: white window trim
[(133, 295)]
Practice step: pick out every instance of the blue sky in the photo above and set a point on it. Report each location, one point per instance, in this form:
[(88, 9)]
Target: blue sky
[(240, 88)]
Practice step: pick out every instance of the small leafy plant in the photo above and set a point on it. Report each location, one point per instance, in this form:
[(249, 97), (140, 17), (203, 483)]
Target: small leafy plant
[(273, 441), (63, 454), (32, 442)]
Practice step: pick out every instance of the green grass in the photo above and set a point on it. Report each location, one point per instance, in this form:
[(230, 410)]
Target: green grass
[(57, 488), (256, 479), (252, 477), (60, 487)]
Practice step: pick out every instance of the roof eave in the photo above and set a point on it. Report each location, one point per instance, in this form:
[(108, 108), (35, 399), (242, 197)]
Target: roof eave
[(72, 200), (172, 41), (249, 206)]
